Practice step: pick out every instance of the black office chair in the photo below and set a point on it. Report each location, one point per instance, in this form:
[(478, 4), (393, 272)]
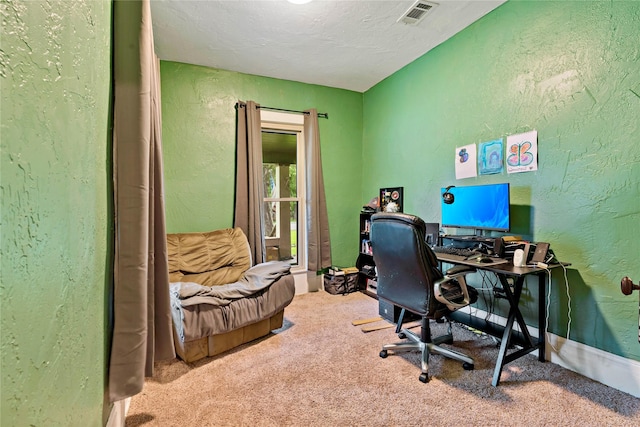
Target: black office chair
[(409, 277)]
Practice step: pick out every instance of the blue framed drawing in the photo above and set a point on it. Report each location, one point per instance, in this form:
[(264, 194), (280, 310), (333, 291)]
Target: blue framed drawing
[(490, 157)]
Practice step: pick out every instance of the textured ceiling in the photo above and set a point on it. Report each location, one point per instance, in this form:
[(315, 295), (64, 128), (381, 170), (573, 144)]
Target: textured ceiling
[(344, 44)]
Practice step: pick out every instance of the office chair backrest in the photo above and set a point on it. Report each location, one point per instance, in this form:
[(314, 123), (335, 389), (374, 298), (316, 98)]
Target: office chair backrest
[(407, 267)]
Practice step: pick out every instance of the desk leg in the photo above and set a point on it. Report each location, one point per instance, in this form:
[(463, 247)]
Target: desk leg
[(514, 315), (542, 318), (518, 314), (506, 337)]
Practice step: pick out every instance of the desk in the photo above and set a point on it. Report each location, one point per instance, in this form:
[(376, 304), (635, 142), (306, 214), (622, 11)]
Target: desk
[(504, 271)]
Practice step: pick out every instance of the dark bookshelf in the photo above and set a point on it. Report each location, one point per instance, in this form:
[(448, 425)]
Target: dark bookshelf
[(365, 263)]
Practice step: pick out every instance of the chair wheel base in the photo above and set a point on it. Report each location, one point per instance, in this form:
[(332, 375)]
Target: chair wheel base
[(468, 366), (424, 378), (384, 354)]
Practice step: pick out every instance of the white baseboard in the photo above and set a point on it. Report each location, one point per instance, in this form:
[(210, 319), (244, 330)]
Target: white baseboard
[(119, 413), (607, 368), (301, 282)]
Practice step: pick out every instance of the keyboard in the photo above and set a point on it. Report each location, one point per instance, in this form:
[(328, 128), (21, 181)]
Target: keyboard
[(454, 251)]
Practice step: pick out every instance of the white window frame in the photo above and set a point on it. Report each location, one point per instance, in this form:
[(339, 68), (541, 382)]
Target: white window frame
[(292, 123)]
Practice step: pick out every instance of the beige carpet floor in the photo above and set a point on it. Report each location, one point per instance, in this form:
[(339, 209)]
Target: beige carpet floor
[(320, 370)]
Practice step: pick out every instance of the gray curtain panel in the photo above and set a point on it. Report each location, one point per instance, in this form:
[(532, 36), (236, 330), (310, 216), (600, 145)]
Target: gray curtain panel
[(141, 312), (319, 243), (249, 203)]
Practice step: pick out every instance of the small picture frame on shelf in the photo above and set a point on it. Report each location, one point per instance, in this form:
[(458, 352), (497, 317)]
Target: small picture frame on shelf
[(391, 199)]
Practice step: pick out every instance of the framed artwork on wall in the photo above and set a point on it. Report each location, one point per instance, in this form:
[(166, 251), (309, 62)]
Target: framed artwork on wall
[(391, 199)]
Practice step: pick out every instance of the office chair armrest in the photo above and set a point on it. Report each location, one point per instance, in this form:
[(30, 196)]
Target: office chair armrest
[(452, 289), (458, 269)]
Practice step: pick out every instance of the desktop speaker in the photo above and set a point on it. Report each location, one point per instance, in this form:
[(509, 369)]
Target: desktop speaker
[(432, 232), (519, 259), (498, 247)]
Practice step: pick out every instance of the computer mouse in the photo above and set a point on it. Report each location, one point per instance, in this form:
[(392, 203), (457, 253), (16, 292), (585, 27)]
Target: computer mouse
[(484, 260)]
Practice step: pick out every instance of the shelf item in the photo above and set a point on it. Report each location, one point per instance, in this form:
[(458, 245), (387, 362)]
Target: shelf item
[(391, 199)]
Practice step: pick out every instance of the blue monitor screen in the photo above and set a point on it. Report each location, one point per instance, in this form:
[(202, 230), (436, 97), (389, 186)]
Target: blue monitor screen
[(482, 207)]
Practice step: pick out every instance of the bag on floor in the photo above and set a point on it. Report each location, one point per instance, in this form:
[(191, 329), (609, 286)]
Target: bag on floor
[(341, 284)]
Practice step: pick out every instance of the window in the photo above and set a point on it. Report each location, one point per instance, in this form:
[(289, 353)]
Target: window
[(283, 177)]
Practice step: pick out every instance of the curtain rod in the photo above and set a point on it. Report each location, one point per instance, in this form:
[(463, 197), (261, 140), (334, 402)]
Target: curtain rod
[(321, 115)]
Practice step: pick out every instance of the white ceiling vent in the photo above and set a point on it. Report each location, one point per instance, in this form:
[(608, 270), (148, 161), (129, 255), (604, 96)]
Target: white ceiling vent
[(417, 12)]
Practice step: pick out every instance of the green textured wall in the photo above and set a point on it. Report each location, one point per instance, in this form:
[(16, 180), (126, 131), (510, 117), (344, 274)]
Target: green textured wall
[(55, 75), (571, 71), (199, 147)]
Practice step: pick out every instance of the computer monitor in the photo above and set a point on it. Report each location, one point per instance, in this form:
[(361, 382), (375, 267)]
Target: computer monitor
[(479, 207)]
